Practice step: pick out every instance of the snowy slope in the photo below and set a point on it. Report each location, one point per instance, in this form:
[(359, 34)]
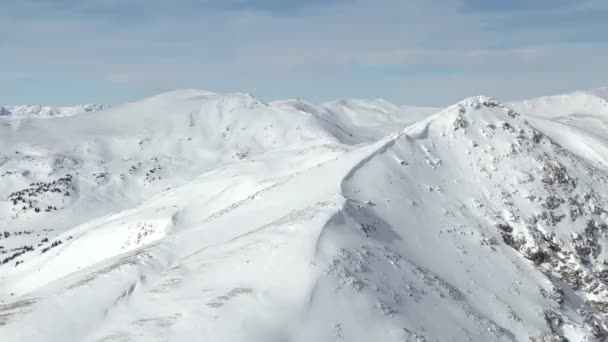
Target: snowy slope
[(85, 166), (293, 221)]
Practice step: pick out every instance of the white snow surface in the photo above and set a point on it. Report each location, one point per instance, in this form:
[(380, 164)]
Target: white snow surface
[(196, 216)]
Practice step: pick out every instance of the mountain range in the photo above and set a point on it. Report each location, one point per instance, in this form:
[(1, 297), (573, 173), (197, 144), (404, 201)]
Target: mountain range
[(194, 215)]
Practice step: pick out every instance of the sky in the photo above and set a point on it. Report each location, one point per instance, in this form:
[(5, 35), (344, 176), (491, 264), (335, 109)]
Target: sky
[(416, 52)]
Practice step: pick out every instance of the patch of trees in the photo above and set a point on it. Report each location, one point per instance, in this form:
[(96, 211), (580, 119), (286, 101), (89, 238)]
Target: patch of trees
[(53, 245), (134, 168), (152, 174), (17, 254), (26, 197), (7, 234), (45, 240)]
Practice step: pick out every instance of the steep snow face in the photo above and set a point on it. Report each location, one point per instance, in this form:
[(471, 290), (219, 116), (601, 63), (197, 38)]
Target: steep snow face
[(471, 224), (48, 111), (477, 191)]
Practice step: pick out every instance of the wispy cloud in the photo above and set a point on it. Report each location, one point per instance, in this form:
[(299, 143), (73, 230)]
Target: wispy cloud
[(417, 51)]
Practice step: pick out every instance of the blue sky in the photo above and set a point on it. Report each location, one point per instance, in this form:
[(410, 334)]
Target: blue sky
[(418, 52)]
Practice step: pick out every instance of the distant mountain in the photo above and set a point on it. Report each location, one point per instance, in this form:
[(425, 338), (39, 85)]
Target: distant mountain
[(48, 111), (592, 102), (372, 119), (4, 111)]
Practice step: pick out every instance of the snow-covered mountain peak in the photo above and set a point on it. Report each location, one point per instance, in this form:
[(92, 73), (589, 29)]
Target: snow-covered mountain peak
[(478, 113), (177, 96), (477, 102), (475, 105), (222, 101)]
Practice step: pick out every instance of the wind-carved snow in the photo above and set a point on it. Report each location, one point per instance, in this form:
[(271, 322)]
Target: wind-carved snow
[(222, 218)]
